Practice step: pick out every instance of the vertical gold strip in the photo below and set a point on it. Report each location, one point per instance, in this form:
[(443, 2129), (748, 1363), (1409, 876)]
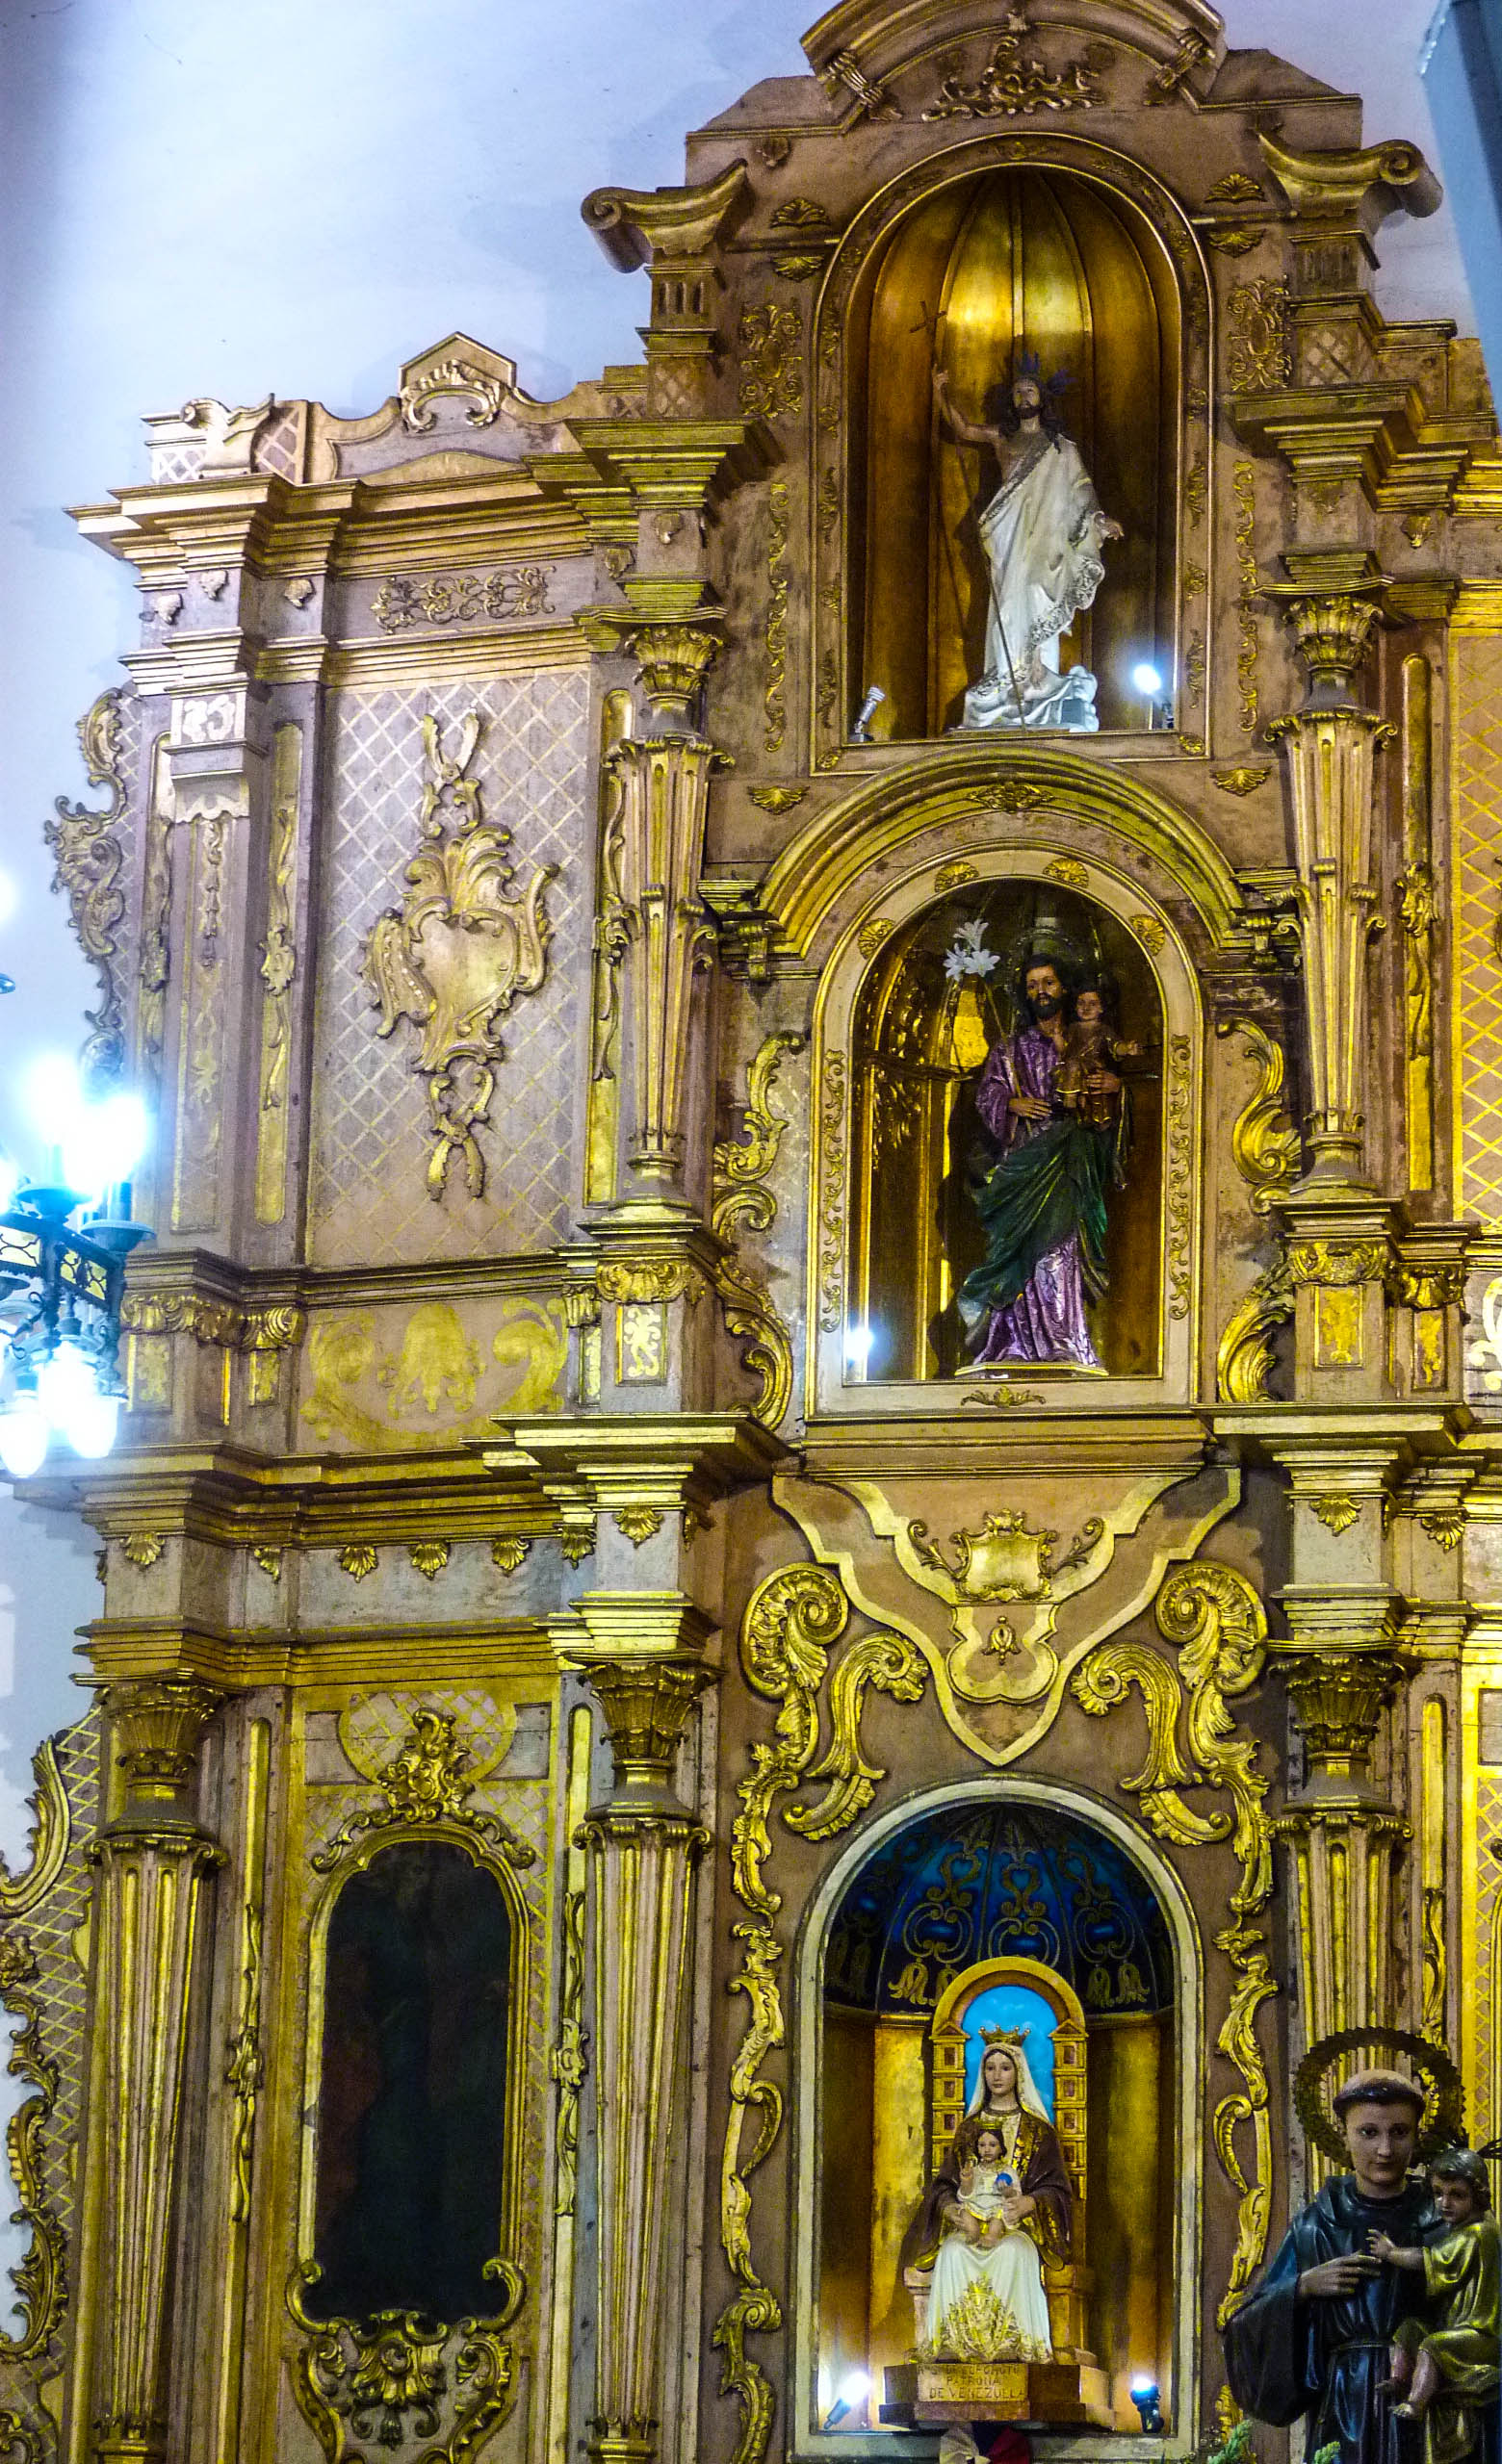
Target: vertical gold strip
[(243, 2073), (200, 1044), (571, 2042), (278, 967), (1476, 960), (1417, 910), (1432, 1871), (601, 1114)]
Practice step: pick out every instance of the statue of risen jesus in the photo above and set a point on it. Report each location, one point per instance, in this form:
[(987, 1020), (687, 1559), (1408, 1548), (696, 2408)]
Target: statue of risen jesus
[(1042, 532)]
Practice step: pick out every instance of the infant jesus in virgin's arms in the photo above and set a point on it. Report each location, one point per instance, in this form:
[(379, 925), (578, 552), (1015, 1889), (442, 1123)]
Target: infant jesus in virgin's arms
[(988, 2191)]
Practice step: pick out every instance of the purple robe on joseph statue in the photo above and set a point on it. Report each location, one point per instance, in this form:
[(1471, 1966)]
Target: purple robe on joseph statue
[(1047, 1322)]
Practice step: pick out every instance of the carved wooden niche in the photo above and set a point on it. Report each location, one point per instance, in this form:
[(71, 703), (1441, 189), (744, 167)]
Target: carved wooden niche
[(946, 988), (1016, 256), (414, 2114)]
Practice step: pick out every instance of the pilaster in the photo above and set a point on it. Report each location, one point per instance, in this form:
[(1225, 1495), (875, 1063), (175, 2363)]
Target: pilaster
[(154, 1864), (644, 1849)]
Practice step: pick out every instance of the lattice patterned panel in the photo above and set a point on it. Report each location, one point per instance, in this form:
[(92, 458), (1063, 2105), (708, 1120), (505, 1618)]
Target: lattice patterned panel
[(1477, 970), (1485, 2118), (277, 448), (370, 1200)]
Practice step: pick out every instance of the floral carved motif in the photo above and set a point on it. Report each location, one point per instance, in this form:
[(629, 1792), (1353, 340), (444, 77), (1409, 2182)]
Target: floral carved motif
[(462, 599)]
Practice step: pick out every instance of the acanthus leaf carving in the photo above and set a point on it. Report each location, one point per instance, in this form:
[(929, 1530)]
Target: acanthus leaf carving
[(1263, 1139), (1214, 1617), (89, 855), (790, 1619), (457, 952)]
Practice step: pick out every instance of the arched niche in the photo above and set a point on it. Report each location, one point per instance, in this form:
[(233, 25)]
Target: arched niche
[(1074, 1911), (1055, 243), (920, 1040), (412, 2159), (901, 1045)]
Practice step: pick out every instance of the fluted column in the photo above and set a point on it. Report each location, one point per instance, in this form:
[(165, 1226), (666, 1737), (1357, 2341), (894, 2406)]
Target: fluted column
[(644, 1848), (1342, 1835), (668, 933), (155, 1862), (1331, 746)]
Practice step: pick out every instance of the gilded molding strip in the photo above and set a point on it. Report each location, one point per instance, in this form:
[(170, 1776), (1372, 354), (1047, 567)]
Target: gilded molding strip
[(774, 727), (1243, 485), (200, 1048), (1178, 1175), (1475, 702), (1434, 2009), (244, 2066), (1263, 1140), (1214, 1616), (611, 933), (569, 2066), (1416, 886), (39, 2276), (830, 1184), (742, 1196), (88, 857), (278, 967), (790, 1619), (153, 967)]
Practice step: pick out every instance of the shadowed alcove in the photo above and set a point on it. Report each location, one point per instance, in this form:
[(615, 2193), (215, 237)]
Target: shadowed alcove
[(1005, 261)]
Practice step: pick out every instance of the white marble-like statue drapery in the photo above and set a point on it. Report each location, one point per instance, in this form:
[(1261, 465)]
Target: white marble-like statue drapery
[(1042, 532)]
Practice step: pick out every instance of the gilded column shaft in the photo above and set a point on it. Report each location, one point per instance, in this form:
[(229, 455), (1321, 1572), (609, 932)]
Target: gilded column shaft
[(644, 1848), (664, 785), (1331, 757), (154, 1864), (644, 1865)]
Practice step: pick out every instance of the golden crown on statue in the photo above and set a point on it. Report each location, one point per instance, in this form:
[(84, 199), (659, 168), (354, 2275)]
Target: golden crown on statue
[(990, 2037)]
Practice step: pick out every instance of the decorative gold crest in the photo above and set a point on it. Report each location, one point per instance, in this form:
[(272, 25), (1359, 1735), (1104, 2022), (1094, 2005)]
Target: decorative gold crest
[(455, 954)]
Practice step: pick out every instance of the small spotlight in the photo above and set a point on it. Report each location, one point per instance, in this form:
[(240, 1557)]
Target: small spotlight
[(1145, 2396), (861, 733), (1145, 680), (858, 1348), (853, 2390)]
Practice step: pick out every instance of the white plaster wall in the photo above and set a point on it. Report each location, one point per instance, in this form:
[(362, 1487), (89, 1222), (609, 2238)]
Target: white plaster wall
[(235, 196)]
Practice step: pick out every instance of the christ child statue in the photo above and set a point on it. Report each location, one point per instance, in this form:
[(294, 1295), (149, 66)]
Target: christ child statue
[(1447, 2367), (988, 2187), (1087, 1081)]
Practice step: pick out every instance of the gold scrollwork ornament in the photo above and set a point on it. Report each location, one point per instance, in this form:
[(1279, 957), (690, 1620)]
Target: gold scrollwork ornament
[(457, 952), (790, 1621), (1214, 1616)]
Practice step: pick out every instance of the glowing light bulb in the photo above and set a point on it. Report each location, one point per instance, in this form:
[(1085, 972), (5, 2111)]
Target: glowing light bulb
[(855, 2387), (1145, 680), (858, 1347), (64, 1384), (23, 1437), (91, 1424)]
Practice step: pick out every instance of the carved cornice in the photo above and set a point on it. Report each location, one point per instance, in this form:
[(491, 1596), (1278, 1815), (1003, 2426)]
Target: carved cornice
[(640, 226), (1184, 40)]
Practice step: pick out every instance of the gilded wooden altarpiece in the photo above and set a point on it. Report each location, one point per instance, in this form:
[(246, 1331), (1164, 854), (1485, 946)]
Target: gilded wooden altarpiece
[(545, 892)]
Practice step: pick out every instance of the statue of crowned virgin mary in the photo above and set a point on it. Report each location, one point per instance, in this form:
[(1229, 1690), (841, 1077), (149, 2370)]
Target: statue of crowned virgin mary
[(998, 2206)]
